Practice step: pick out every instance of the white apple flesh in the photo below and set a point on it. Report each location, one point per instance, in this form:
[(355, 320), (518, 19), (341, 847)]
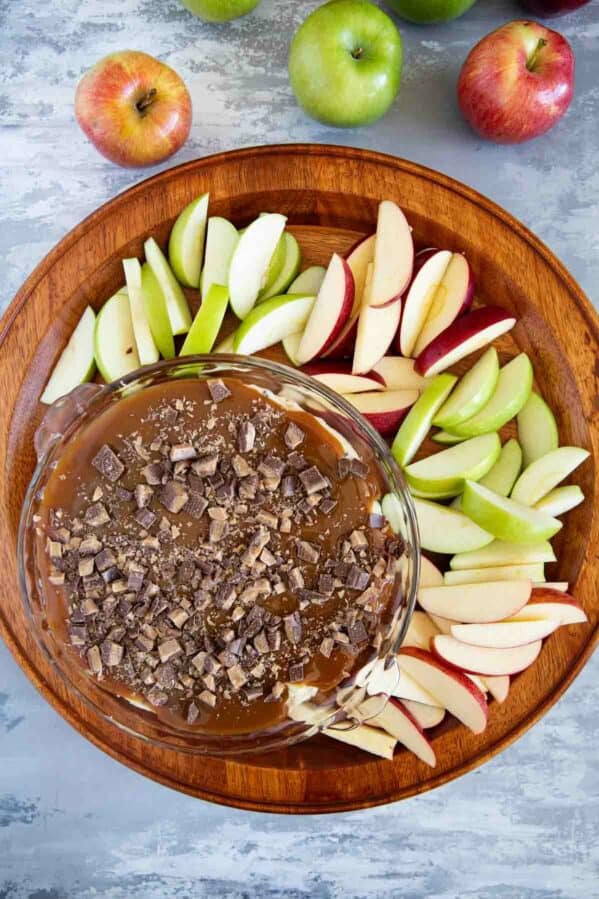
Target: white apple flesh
[(393, 255), (76, 364), (537, 429), (430, 576), (417, 424), (427, 716), (476, 603), (512, 389), (370, 739), (560, 500), (499, 687), (503, 634), (467, 334), (502, 477), (396, 720), (147, 350), (554, 605), (376, 328), (114, 341), (272, 321), (502, 553), (288, 270), (483, 659), (309, 281), (186, 242), (250, 260), (420, 631), (534, 573), (176, 303), (419, 299), (398, 374), (452, 298), (221, 240), (545, 473), (338, 376), (448, 531), (505, 518), (330, 312)]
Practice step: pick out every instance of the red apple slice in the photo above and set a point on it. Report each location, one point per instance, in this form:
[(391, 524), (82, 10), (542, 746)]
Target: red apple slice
[(452, 298), (483, 659), (430, 576), (552, 605), (427, 716), (419, 299), (330, 312), (393, 255), (420, 631), (398, 373), (375, 332), (338, 376), (503, 634), (451, 688), (358, 259), (384, 410), (401, 724), (499, 687), (464, 336), (476, 603)]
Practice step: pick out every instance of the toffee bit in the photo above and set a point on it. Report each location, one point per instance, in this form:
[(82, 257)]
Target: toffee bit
[(181, 452), (173, 496), (105, 560), (293, 627), (248, 487), (285, 526), (326, 584), (296, 672), (307, 552), (326, 647), (358, 540), (122, 494), (198, 661), (85, 567), (240, 466), (218, 390), (94, 660), (178, 617), (225, 597), (261, 643), (96, 515), (267, 518), (274, 640), (289, 485), (192, 713), (145, 518), (344, 467), (206, 465), (358, 468), (212, 665), (108, 463), (296, 579), (237, 676), (296, 460), (216, 531), (246, 437), (170, 415), (112, 653), (143, 495), (313, 480), (357, 632), (253, 693), (195, 506), (157, 697), (294, 435), (168, 649), (357, 578), (207, 698), (153, 473)]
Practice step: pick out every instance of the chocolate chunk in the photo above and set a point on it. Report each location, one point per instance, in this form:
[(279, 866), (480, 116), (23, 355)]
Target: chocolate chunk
[(342, 570), (241, 468), (145, 518), (261, 643), (108, 463), (293, 627), (296, 579), (358, 468), (198, 661), (248, 487), (89, 608), (237, 676), (216, 531), (313, 480), (344, 467), (192, 713), (253, 693), (218, 390), (326, 647), (181, 452), (168, 649), (358, 540), (207, 698), (157, 697), (212, 665), (78, 634), (356, 578), (267, 557), (209, 682), (289, 485), (112, 653), (285, 526), (246, 437), (225, 597), (313, 597), (195, 506), (96, 515), (307, 552), (123, 494), (227, 658), (395, 546), (201, 599), (178, 616), (274, 639), (326, 584), (153, 473), (357, 632), (165, 675), (173, 496), (143, 495), (85, 567), (94, 660), (267, 518), (226, 494), (90, 546), (105, 560), (296, 673), (206, 465), (342, 637), (296, 460), (271, 467), (293, 435)]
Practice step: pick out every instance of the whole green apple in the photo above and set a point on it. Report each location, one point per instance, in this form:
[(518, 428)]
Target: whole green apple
[(430, 12), (345, 63), (220, 10)]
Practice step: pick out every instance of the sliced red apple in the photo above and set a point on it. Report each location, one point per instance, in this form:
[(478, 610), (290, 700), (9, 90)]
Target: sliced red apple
[(393, 255), (358, 259), (375, 332), (483, 659), (552, 605), (401, 724), (419, 299), (330, 312), (561, 586), (427, 716), (338, 376), (385, 410), (430, 576), (504, 634), (477, 603), (464, 336), (499, 687), (370, 739), (451, 688), (452, 298), (421, 630), (398, 373)]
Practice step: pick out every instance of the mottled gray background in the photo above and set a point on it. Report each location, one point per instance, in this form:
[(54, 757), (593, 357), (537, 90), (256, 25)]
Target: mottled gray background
[(75, 824)]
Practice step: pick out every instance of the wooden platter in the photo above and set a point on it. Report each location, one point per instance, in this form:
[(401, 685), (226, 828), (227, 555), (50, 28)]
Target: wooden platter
[(330, 195)]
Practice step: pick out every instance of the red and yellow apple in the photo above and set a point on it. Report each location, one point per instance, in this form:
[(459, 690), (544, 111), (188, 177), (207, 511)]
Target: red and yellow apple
[(135, 109)]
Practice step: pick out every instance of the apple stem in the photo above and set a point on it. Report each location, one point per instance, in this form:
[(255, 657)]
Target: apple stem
[(532, 60), (146, 101), (357, 53)]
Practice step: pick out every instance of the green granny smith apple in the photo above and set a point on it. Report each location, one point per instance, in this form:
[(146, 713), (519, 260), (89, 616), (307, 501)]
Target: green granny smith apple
[(430, 12), (345, 63), (220, 10)]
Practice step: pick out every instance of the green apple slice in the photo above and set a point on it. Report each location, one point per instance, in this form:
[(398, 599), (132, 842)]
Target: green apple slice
[(309, 281), (226, 345), (513, 389), (472, 392), (561, 500), (114, 338), (186, 243), (221, 240), (501, 553), (447, 471), (76, 363), (156, 311), (250, 261), (505, 518), (417, 423), (272, 321), (445, 530), (147, 350), (545, 473), (291, 266), (274, 267), (431, 494), (502, 477), (207, 323), (176, 303), (291, 346), (534, 572), (446, 438), (537, 429)]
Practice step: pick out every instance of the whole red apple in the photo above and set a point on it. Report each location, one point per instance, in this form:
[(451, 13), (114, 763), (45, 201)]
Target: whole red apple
[(548, 8), (517, 82), (135, 109)]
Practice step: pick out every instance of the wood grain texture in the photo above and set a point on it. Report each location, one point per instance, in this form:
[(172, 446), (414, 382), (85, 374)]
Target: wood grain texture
[(330, 195)]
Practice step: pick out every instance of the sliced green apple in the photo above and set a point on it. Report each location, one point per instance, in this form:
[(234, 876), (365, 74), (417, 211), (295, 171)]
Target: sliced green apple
[(417, 423), (472, 392), (147, 350), (186, 243), (534, 572), (114, 339), (76, 363), (513, 389), (501, 553), (291, 346), (290, 265), (502, 477), (309, 281), (445, 530), (545, 473), (226, 345), (446, 438), (207, 323), (447, 471), (157, 313), (505, 518), (431, 494), (537, 429), (272, 321), (221, 240), (561, 500), (176, 303), (250, 260), (274, 266)]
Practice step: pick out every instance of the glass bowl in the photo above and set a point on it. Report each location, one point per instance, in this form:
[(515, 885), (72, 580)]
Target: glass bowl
[(67, 419)]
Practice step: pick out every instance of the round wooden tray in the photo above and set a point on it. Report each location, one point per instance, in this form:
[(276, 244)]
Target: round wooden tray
[(330, 195)]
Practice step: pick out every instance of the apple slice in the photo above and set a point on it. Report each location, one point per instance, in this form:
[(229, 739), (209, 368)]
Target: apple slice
[(476, 603), (447, 471), (562, 586), (483, 659), (384, 410), (186, 243), (417, 424), (499, 687), (501, 552), (291, 259), (452, 689), (552, 605), (114, 341), (503, 634), (502, 477), (76, 364), (452, 298), (250, 261), (421, 630), (370, 739), (338, 376), (472, 392), (427, 716), (505, 518), (464, 336), (513, 389), (291, 346), (419, 299), (309, 281), (560, 500), (157, 312), (445, 438), (401, 724), (330, 312), (272, 321), (376, 328), (221, 240), (408, 688), (391, 682), (393, 255), (207, 323), (147, 350), (226, 345), (537, 429), (176, 302), (358, 259), (398, 374), (545, 473), (446, 530), (534, 573), (430, 576)]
